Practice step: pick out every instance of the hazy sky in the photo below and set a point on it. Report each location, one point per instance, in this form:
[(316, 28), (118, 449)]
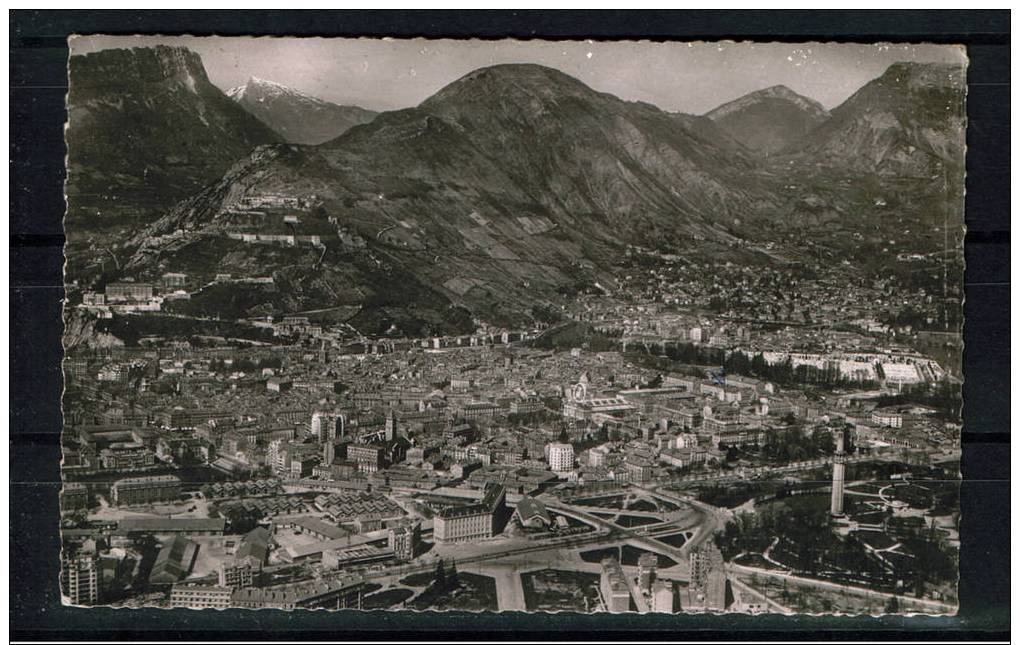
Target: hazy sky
[(386, 74)]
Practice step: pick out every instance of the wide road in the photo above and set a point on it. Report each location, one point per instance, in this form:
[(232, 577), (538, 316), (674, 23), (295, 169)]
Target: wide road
[(714, 518), (607, 533), (488, 556), (509, 587), (638, 535)]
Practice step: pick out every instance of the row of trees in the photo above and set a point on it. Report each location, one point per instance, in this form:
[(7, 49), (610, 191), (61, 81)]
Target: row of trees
[(444, 581), (946, 397), (737, 362), (938, 318), (219, 366), (573, 333), (792, 444)]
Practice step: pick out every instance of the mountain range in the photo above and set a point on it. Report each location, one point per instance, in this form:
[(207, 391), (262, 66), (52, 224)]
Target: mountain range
[(508, 187), (517, 185), (295, 116)]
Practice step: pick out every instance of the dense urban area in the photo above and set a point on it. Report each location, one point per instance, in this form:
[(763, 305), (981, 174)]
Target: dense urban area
[(627, 455)]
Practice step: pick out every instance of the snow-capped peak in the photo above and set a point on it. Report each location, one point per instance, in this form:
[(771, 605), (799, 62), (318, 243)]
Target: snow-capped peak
[(271, 85), (260, 89)]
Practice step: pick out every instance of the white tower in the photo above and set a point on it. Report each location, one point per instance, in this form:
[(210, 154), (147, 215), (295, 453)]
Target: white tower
[(391, 425), (315, 429), (838, 474)]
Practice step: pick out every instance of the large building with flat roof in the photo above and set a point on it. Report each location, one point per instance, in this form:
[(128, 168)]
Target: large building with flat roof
[(344, 593), (663, 598), (310, 525), (472, 521), (128, 291), (314, 551), (171, 526), (146, 490)]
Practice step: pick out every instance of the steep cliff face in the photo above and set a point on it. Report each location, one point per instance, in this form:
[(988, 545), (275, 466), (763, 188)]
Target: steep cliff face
[(81, 331), (145, 129), (909, 122), (296, 116), (769, 120)]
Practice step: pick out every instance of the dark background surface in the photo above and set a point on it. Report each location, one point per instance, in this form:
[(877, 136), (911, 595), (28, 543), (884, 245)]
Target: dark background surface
[(38, 84)]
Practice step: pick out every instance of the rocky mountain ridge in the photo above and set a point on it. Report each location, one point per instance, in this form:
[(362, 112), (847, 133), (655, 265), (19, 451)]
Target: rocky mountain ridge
[(146, 128), (506, 191), (909, 122)]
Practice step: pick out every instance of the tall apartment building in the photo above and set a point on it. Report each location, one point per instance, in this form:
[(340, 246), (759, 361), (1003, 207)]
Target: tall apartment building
[(838, 475), (404, 540), (646, 571), (328, 452), (561, 457), (275, 456), (80, 577), (614, 587), (327, 425), (707, 589)]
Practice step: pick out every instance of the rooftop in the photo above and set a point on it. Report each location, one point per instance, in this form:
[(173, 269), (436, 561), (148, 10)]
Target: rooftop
[(162, 524)]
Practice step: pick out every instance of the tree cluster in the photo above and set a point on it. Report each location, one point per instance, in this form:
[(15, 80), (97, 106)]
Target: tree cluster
[(737, 362)]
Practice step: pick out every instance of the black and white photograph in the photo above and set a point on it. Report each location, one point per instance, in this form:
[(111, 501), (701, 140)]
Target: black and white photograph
[(535, 326)]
